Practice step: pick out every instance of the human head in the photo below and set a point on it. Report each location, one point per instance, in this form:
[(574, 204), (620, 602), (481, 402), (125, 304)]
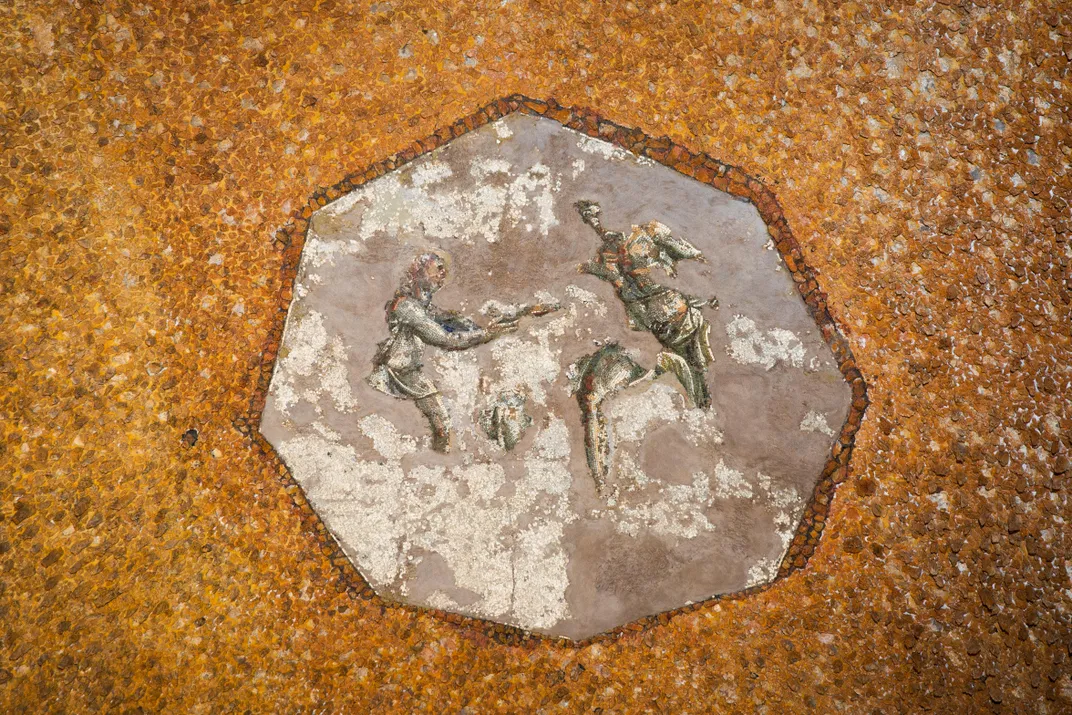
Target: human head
[(425, 276), (590, 213)]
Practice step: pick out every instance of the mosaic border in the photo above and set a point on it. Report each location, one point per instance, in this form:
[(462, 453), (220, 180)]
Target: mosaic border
[(290, 239)]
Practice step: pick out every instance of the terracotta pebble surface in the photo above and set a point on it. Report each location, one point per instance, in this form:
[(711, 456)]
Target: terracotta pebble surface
[(159, 167)]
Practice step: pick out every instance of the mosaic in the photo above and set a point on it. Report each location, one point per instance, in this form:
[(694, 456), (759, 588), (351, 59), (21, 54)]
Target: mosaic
[(534, 378), (161, 163)]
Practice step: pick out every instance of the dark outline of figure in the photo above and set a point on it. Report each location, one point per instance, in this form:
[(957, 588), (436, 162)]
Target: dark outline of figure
[(414, 321)]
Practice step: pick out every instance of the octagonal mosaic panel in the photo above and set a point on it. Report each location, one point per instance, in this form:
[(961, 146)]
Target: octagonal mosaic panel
[(534, 378)]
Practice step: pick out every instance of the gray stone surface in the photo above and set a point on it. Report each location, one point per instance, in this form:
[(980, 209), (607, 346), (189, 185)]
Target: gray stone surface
[(700, 503)]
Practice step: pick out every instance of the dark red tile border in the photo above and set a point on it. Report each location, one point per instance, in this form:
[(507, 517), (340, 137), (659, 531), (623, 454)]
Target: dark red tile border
[(290, 240)]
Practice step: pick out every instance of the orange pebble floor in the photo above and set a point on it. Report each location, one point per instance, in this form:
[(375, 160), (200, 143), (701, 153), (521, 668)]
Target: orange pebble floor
[(151, 153)]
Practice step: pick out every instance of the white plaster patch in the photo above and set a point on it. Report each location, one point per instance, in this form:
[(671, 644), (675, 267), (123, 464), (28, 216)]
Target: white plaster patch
[(384, 517), (541, 184), (440, 600), (405, 203), (632, 415), (730, 483), (762, 571), (788, 506), (502, 130), (751, 346), (342, 204), (482, 168), (305, 340), (557, 327), (525, 366), (479, 561), (630, 475), (539, 572), (319, 252), (677, 510), (459, 376), (816, 422), (334, 379), (588, 299), (313, 365), (635, 415), (701, 426), (672, 510), (553, 442), (326, 432), (354, 498), (431, 172), (779, 497), (606, 150), (386, 439)]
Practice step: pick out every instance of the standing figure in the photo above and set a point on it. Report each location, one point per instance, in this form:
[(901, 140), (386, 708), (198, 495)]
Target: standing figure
[(674, 318), (414, 322)]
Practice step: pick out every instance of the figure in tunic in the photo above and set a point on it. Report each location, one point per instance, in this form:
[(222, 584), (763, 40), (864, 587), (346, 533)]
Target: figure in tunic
[(414, 321), (674, 318)]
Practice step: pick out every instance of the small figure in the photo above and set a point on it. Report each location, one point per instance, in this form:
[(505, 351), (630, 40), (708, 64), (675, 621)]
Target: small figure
[(505, 421), (674, 318), (415, 321)]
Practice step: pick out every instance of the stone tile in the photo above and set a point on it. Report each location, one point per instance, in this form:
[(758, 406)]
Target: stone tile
[(698, 501)]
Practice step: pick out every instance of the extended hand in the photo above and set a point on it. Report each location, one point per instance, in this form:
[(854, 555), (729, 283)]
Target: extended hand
[(501, 327), (543, 309)]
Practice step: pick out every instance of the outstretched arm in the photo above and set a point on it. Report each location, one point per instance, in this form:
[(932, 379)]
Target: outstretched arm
[(432, 332), (672, 248), (599, 270), (604, 267)]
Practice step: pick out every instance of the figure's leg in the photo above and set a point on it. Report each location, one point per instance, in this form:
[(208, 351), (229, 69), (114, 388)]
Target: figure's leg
[(435, 411), (691, 341), (701, 394), (672, 362), (695, 382), (701, 357)]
